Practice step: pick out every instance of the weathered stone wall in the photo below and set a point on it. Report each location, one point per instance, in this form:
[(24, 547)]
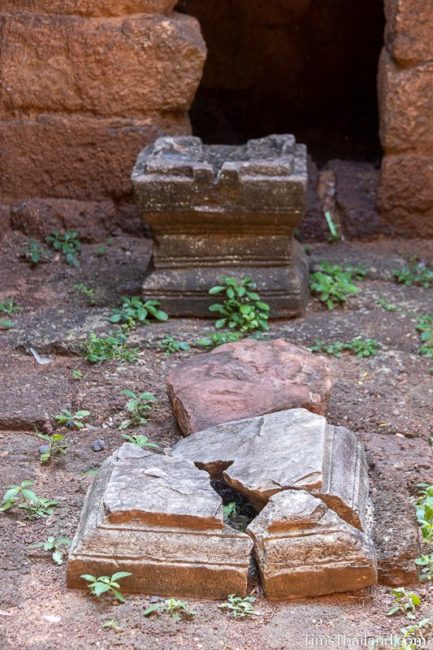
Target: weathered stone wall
[(406, 110), (85, 85)]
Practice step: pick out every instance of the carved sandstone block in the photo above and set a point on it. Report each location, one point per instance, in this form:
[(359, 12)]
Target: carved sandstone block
[(158, 518), (287, 450), (220, 210), (126, 67), (303, 548)]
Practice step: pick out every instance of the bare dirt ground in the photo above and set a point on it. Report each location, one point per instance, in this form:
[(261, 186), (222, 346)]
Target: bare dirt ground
[(386, 399)]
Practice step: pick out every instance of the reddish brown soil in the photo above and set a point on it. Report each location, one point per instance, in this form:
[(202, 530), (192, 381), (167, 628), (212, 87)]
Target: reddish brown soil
[(386, 399)]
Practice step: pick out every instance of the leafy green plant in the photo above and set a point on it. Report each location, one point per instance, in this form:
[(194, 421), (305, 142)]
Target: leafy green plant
[(34, 253), (67, 243), (25, 498), (56, 546), (426, 562), (106, 585), (242, 308), (218, 338), (404, 602), (72, 420), (140, 441), (358, 346), (77, 374), (231, 510), (15, 493), (134, 311), (425, 327), (177, 609), (416, 273), (333, 283), (239, 607), (57, 446), (138, 407), (101, 251), (112, 347), (171, 346), (85, 291), (9, 307)]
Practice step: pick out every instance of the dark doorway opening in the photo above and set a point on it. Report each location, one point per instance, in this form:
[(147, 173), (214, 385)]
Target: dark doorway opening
[(306, 67)]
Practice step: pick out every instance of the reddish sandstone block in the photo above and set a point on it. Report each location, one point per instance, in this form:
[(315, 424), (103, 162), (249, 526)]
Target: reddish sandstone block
[(124, 67), (75, 157), (89, 7), (409, 30), (39, 217), (406, 105), (405, 196)]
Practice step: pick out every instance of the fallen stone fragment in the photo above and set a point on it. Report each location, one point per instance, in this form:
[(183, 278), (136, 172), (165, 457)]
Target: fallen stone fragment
[(292, 449), (245, 379), (303, 548), (158, 518)]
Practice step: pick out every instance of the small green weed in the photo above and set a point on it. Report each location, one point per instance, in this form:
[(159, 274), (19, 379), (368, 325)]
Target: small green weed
[(404, 602), (177, 609), (57, 446), (231, 510), (72, 420), (387, 306), (68, 244), (242, 308), (425, 327), (413, 635), (416, 273), (112, 624), (170, 345), (424, 512), (239, 607), (138, 407), (77, 374), (106, 585), (333, 283), (9, 307), (217, 339), (426, 562), (134, 311), (359, 347), (111, 347), (85, 291), (56, 546), (140, 441), (6, 324), (34, 253), (25, 498), (334, 231)]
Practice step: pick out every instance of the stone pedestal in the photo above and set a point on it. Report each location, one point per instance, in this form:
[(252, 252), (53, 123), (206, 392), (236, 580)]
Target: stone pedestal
[(222, 210)]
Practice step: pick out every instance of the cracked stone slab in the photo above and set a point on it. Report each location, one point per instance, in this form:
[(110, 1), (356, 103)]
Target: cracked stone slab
[(292, 449), (303, 548), (246, 379), (158, 518)]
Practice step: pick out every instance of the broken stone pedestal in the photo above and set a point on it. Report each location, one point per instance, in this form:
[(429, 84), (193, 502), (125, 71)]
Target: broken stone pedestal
[(158, 518), (222, 210), (309, 482)]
